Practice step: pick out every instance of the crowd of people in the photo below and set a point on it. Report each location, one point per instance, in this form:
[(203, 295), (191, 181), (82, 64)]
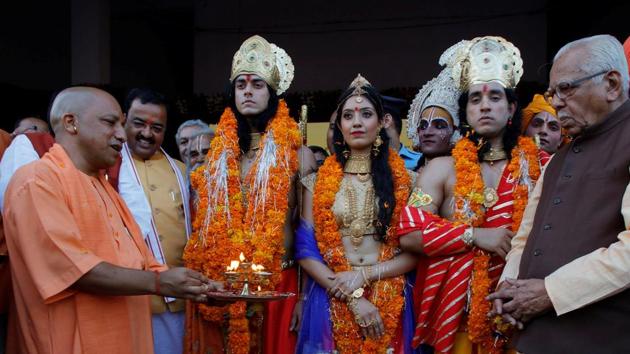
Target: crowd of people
[(500, 230)]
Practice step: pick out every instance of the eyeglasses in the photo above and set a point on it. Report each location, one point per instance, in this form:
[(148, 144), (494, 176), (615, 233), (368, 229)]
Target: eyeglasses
[(565, 89)]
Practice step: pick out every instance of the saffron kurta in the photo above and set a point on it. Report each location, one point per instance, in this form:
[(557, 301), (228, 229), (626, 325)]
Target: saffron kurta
[(59, 224)]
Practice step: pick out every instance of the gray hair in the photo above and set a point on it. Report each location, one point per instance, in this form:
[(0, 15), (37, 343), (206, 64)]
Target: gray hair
[(604, 52), (192, 123), (205, 131)]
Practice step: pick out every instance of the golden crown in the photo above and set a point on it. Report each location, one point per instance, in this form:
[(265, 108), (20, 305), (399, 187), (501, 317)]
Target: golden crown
[(270, 62)]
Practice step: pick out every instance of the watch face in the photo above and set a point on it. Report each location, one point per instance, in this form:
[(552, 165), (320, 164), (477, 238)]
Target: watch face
[(358, 293)]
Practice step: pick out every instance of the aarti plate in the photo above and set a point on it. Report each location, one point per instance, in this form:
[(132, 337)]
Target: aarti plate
[(259, 296)]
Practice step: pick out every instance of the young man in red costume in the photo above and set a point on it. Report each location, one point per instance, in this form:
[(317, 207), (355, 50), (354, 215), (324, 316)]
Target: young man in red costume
[(471, 202)]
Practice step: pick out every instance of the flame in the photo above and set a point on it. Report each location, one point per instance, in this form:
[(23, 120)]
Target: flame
[(258, 267), (233, 266), (258, 287), (241, 257)]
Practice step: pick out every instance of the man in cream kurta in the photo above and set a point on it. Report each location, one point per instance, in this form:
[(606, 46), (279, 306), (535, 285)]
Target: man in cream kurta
[(153, 186)]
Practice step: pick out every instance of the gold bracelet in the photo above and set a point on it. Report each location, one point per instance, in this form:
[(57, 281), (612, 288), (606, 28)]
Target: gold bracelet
[(468, 237)]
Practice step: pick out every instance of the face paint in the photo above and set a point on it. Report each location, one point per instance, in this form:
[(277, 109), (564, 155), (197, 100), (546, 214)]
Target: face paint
[(248, 77), (357, 109), (485, 88), (425, 123)]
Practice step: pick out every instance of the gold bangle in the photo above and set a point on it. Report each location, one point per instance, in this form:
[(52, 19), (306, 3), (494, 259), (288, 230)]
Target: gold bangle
[(468, 237)]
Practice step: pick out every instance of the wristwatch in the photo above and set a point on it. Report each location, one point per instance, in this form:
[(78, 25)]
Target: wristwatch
[(358, 293)]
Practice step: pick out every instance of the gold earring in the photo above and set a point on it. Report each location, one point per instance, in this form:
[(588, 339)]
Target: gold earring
[(377, 143), (346, 154)]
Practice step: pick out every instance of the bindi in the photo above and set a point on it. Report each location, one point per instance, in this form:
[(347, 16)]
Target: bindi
[(485, 88)]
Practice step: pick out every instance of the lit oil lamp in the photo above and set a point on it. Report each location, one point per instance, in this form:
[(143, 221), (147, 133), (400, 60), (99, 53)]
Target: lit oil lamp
[(246, 272)]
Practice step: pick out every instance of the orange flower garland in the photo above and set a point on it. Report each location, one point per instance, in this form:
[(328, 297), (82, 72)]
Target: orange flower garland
[(387, 294), (468, 184), (268, 220), (526, 149), (469, 209), (225, 230)]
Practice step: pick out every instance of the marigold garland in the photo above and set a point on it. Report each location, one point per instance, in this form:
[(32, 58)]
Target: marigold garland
[(234, 228), (469, 209), (387, 294)]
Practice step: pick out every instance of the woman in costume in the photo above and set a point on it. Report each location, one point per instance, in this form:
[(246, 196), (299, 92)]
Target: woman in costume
[(246, 202), (356, 301)]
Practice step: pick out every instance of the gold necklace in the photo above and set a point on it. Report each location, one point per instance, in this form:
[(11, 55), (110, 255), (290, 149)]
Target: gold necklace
[(351, 220), (360, 165), (495, 154), (254, 143)]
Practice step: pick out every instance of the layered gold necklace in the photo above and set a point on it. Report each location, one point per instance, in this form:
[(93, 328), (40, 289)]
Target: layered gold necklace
[(356, 223)]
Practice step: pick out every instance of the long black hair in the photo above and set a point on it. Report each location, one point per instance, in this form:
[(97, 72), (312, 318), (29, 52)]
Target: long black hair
[(382, 177), (512, 130), (262, 119)]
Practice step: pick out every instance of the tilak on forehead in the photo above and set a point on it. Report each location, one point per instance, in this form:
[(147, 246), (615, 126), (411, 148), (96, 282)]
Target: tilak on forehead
[(147, 121), (434, 114), (546, 118)]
